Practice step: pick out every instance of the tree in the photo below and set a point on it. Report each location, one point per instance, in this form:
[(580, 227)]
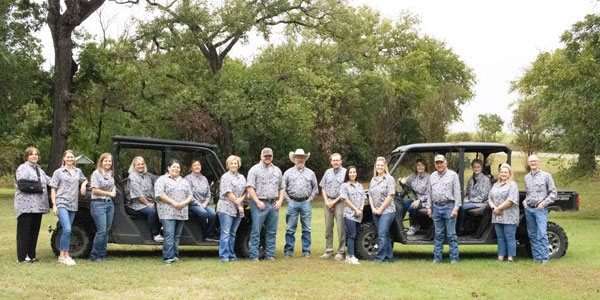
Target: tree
[(488, 126), (527, 125)]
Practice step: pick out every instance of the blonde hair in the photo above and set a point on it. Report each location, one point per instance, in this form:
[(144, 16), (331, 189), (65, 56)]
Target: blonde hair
[(135, 160), (231, 158), (385, 167), (104, 156), (510, 173)]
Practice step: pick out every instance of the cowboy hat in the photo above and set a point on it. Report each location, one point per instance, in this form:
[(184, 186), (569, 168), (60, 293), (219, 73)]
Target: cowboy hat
[(298, 152)]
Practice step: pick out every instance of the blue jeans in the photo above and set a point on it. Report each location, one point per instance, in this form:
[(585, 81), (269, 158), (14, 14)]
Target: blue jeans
[(350, 235), (102, 213), (207, 218), (172, 231), (229, 226), (269, 218), (65, 217), (295, 209), (463, 210), (537, 225), (412, 211), (507, 243), (445, 225), (152, 218), (385, 250)]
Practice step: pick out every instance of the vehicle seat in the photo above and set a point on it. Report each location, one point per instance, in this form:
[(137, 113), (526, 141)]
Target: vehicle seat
[(134, 214), (482, 216)]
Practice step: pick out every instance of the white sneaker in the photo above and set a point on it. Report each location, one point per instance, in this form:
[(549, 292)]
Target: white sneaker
[(413, 229), (339, 256), (327, 255), (352, 260), (159, 239), (66, 260)]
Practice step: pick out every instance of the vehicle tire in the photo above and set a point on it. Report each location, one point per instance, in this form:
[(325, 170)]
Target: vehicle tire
[(365, 246), (557, 240), (243, 238), (82, 238)]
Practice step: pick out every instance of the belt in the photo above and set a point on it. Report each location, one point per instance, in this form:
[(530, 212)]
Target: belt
[(298, 199), (444, 203), (532, 206), (271, 200), (102, 200)]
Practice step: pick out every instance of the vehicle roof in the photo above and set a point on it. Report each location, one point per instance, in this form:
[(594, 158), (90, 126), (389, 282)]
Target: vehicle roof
[(159, 142), (453, 147)]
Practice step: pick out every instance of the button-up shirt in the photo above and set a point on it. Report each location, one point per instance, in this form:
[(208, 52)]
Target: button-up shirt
[(478, 188), (380, 188), (102, 181), (266, 182), (501, 192), (419, 185), (231, 183), (178, 190), (443, 188), (200, 188), (356, 195), (332, 181), (300, 184), (540, 188), (67, 187), (140, 184), (27, 202)]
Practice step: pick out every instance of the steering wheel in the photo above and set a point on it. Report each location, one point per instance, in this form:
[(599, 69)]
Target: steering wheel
[(406, 189)]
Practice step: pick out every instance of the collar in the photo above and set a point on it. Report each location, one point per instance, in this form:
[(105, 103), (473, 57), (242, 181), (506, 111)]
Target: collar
[(176, 179), (443, 173), (265, 166)]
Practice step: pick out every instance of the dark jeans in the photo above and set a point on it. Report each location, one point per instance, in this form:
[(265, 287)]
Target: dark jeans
[(102, 213), (28, 229), (462, 211), (152, 217), (350, 235), (207, 217), (412, 211)]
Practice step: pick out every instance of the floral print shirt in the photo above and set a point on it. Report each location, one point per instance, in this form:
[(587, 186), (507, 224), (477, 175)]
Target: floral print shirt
[(478, 188), (67, 187), (300, 184), (332, 181), (200, 189), (355, 194), (443, 188), (500, 193), (102, 181), (178, 190), (27, 202), (419, 185), (266, 182), (380, 188), (540, 188), (140, 184), (231, 183)]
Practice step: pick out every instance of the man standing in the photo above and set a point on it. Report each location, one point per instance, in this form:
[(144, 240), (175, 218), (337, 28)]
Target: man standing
[(265, 187), (445, 195), (334, 207), (541, 192), (300, 184)]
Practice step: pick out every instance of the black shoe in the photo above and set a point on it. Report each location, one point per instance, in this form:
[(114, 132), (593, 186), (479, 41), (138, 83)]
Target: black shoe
[(211, 239)]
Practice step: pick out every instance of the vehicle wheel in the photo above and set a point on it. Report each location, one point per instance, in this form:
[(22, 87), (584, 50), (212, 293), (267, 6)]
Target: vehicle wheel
[(365, 246), (243, 238), (557, 240), (82, 237)]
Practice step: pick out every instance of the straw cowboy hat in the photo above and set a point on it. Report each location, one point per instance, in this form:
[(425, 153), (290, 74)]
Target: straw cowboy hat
[(298, 152)]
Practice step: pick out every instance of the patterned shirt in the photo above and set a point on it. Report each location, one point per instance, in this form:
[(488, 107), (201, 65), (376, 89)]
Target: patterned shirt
[(498, 195), (419, 185), (300, 184), (380, 188), (355, 194), (102, 181), (26, 202), (231, 183), (443, 188), (266, 182), (478, 189), (140, 184), (67, 187), (540, 188), (178, 190), (332, 181), (200, 189)]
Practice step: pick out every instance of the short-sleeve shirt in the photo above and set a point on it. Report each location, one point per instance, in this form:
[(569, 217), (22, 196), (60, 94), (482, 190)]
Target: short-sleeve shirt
[(501, 192), (355, 194), (200, 189), (231, 183), (102, 181), (67, 187), (26, 203), (444, 188), (300, 184), (380, 188), (332, 181), (419, 185), (540, 188), (177, 189), (266, 181), (140, 184), (478, 188)]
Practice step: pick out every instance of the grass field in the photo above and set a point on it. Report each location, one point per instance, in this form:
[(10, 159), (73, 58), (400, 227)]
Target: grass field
[(136, 272)]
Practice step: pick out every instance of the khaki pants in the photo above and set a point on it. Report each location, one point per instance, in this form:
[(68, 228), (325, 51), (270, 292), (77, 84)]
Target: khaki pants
[(338, 215)]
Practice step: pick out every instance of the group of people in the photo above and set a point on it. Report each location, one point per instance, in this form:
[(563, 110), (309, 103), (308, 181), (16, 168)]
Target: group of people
[(167, 201)]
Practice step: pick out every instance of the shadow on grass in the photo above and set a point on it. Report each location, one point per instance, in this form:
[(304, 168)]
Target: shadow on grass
[(193, 253), (413, 255)]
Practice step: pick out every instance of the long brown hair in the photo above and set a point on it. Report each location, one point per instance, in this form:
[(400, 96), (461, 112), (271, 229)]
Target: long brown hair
[(104, 156)]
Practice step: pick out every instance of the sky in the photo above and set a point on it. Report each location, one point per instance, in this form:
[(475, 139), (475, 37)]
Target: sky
[(497, 39)]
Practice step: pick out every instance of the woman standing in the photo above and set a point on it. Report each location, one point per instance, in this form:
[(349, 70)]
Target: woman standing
[(418, 183), (65, 185), (353, 195), (102, 207), (229, 207), (504, 200), (30, 205), (175, 194), (200, 205), (141, 192), (381, 199)]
